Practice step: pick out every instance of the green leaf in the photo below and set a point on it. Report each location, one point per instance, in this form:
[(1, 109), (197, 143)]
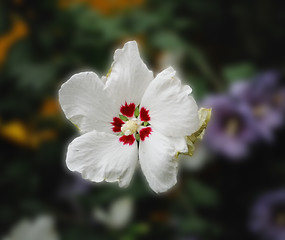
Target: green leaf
[(137, 111), (138, 137), (124, 118)]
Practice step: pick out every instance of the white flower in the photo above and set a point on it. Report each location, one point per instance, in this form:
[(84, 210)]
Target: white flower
[(128, 116), (42, 228), (118, 215)]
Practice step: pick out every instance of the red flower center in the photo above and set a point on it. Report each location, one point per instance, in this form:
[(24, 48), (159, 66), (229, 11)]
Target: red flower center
[(132, 124)]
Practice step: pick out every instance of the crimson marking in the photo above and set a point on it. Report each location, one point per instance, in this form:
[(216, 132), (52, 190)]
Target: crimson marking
[(144, 115), (145, 132), (117, 123), (128, 109), (130, 139)]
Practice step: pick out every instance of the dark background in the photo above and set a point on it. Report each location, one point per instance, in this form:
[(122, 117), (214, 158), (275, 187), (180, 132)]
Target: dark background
[(42, 43)]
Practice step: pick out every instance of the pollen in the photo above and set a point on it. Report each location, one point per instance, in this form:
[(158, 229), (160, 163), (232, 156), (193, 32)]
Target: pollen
[(130, 127)]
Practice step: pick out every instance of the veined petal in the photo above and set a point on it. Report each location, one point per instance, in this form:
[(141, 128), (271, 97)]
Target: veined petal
[(158, 163), (86, 103), (101, 156), (172, 111), (180, 144), (129, 76)]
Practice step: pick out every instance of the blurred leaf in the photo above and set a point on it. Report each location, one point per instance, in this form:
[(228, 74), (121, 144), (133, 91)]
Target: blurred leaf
[(144, 21), (197, 225), (194, 225), (35, 76), (199, 84), (20, 52), (199, 59), (90, 25), (239, 71), (27, 74), (3, 20), (167, 41), (201, 195), (135, 231), (182, 23)]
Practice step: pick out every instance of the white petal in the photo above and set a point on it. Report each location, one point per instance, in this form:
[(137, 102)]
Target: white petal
[(86, 104), (42, 227), (158, 163), (172, 111), (180, 144), (129, 75), (118, 215), (101, 156), (121, 212)]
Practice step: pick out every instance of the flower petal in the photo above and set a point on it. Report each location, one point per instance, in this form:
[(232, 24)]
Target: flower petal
[(156, 155), (117, 124), (130, 139), (128, 110), (86, 103), (172, 111), (145, 132), (129, 76), (101, 156), (144, 115)]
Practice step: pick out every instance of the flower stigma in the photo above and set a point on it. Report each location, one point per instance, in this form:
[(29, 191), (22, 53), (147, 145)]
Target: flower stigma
[(130, 127)]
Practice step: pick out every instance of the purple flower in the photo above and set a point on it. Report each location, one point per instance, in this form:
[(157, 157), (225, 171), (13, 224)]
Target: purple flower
[(266, 100), (231, 128), (268, 216)]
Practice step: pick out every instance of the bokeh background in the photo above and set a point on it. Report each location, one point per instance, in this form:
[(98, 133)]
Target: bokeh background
[(232, 55)]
